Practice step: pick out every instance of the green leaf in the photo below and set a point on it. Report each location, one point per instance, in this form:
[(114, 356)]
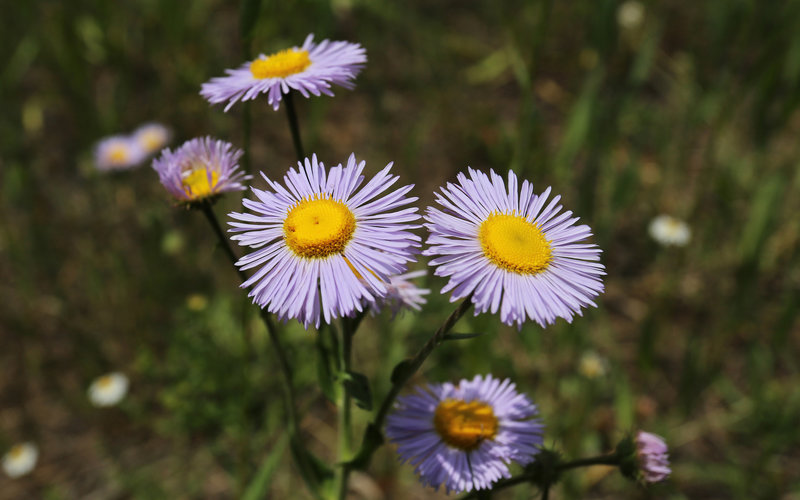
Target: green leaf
[(462, 336), (259, 486), (358, 386), (763, 211)]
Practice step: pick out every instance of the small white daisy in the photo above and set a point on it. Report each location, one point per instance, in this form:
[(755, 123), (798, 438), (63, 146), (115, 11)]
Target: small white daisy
[(20, 459), (108, 390), (668, 230)]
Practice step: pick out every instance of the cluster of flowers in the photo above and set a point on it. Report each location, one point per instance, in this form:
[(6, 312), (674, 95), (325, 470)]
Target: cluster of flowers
[(122, 152), (329, 243)]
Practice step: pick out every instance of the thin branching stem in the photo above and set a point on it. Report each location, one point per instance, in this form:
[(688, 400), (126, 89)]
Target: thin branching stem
[(293, 126), (399, 380)]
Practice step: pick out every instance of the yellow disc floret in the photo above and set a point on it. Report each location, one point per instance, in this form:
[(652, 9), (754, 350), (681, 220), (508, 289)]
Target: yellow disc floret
[(280, 64), (514, 244), (196, 183), (105, 381), (318, 227), (118, 154), (17, 451), (465, 425)]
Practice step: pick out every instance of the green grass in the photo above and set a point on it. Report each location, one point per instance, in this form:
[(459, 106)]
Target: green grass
[(695, 113)]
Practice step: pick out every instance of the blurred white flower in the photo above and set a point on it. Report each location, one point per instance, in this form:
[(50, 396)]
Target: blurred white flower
[(20, 459), (152, 137), (109, 389), (592, 365), (630, 15), (401, 294), (118, 152), (668, 230)]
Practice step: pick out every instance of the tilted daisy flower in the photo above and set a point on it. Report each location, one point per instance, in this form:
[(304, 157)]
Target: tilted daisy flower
[(652, 457), (309, 69), (108, 390), (512, 250), (668, 230), (118, 152), (20, 459), (201, 168), (151, 137), (325, 242), (464, 436), (402, 293)]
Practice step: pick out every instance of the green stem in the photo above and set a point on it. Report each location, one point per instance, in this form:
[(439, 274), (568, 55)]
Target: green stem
[(528, 477), (283, 359), (280, 352), (247, 125), (420, 358), (399, 380), (208, 211), (293, 126), (345, 420), (612, 459)]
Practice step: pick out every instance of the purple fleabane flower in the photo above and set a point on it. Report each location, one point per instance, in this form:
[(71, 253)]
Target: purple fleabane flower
[(402, 293), (512, 250), (651, 454), (464, 436), (118, 152), (324, 245), (309, 69), (151, 137), (201, 168)]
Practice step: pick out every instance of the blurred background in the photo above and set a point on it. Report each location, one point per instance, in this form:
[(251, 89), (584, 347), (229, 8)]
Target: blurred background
[(674, 107)]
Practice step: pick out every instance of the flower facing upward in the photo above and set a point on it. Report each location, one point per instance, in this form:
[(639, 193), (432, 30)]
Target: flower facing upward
[(401, 294), (464, 436), (324, 245), (668, 230), (651, 453), (118, 152), (309, 69), (108, 390), (512, 250), (20, 459), (151, 137), (199, 169)]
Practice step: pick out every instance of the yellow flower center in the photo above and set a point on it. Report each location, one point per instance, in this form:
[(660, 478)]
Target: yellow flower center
[(319, 227), (280, 64), (16, 451), (514, 244), (196, 183), (105, 382), (151, 140), (464, 425), (118, 154), (673, 225)]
